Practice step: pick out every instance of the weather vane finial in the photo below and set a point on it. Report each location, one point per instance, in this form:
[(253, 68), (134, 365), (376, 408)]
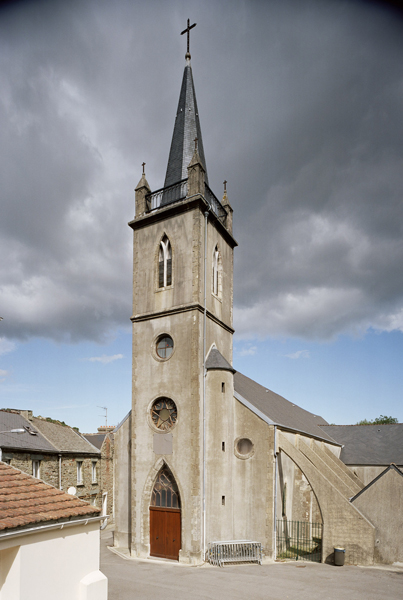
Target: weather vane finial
[(187, 30)]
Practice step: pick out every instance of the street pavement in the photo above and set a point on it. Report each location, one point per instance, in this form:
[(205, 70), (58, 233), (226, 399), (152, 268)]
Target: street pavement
[(131, 579)]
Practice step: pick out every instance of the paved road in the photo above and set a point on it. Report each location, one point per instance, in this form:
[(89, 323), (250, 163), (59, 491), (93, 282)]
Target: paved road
[(148, 580)]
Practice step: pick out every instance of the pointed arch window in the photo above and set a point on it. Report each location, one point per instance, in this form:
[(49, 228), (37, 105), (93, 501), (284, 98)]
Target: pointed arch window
[(165, 492), (165, 263), (217, 273)]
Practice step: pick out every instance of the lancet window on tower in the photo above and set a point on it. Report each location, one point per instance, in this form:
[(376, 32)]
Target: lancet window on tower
[(165, 263), (217, 273)]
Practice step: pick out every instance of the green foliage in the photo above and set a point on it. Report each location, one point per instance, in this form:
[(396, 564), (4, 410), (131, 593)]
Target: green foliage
[(381, 420)]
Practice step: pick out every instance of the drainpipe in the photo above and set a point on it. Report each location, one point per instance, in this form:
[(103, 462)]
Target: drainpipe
[(204, 382), (60, 472), (275, 494)]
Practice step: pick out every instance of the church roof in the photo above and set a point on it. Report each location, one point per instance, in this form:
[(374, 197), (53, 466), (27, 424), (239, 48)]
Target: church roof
[(276, 410), (369, 444), (215, 360), (186, 129)]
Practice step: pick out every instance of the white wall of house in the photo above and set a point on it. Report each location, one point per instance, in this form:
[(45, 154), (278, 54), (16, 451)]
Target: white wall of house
[(58, 563)]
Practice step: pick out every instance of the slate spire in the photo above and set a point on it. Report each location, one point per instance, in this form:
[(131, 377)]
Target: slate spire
[(186, 129)]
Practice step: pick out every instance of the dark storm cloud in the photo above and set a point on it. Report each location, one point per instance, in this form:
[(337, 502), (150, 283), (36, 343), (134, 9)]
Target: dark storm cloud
[(300, 107)]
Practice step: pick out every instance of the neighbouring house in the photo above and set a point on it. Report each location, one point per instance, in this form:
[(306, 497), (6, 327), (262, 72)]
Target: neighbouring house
[(53, 452), (381, 501), (368, 449), (29, 451), (49, 542), (104, 442)]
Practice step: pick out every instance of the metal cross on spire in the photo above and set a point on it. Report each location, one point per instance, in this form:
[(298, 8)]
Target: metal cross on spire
[(187, 30)]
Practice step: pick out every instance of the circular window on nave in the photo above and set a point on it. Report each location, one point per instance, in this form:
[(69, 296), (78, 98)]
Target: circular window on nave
[(164, 346), (164, 413), (244, 448)]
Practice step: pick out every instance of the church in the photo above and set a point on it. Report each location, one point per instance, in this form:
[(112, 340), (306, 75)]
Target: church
[(206, 455)]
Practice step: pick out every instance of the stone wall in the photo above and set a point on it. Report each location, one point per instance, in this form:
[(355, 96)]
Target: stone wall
[(49, 465), (106, 467), (87, 490)]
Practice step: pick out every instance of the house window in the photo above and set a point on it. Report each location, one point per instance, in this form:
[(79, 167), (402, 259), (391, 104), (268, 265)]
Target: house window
[(79, 472), (164, 263), (94, 471), (223, 387), (36, 468), (217, 273)]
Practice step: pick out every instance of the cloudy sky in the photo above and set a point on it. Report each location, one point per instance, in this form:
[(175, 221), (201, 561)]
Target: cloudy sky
[(301, 111)]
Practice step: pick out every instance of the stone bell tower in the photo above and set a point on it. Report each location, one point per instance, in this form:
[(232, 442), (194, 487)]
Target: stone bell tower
[(182, 305)]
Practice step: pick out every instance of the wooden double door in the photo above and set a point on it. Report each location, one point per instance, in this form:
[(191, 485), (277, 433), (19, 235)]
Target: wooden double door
[(165, 532)]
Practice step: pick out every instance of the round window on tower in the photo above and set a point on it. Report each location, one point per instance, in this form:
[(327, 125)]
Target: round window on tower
[(244, 448), (164, 346), (163, 414)]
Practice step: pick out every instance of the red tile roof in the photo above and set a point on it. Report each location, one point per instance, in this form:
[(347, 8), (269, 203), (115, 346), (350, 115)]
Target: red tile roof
[(25, 500)]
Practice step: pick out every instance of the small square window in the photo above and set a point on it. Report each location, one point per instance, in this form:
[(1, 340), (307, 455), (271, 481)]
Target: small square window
[(79, 472)]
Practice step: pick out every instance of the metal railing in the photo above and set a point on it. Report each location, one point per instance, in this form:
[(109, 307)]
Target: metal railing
[(167, 195), (299, 540), (178, 191), (215, 204), (235, 551)]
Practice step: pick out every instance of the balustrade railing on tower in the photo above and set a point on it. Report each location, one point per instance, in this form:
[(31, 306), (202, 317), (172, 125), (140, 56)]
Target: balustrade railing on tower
[(177, 192)]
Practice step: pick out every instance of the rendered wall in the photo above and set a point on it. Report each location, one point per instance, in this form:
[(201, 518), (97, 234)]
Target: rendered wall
[(239, 494), (382, 504), (174, 310), (367, 473), (122, 475), (52, 564)]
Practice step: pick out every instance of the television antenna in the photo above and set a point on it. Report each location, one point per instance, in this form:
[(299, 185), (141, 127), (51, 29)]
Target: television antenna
[(105, 415)]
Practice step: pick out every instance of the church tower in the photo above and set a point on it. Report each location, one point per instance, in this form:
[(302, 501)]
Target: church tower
[(182, 333)]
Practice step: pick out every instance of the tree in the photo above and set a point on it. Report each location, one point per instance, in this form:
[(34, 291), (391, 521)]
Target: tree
[(381, 420)]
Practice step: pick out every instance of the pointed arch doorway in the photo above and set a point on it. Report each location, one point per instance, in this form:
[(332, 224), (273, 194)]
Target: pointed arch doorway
[(165, 517)]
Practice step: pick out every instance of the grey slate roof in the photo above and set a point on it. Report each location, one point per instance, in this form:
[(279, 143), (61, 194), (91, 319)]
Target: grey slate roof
[(96, 439), (369, 444), (64, 438), (21, 441), (215, 360), (187, 127), (276, 409)]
